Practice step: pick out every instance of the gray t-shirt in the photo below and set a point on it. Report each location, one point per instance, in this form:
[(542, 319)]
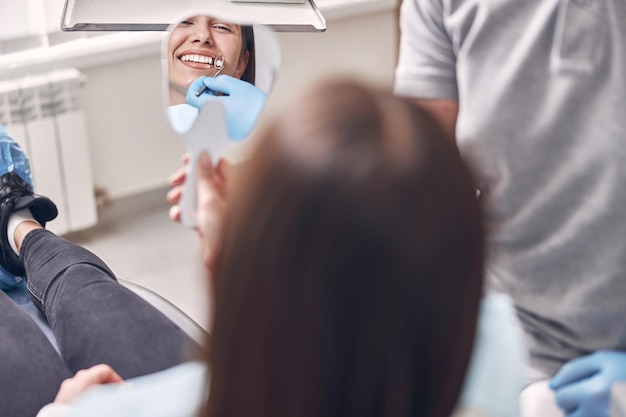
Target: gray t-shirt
[(541, 86)]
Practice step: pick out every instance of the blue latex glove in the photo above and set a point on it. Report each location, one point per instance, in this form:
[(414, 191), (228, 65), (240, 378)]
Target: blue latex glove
[(583, 385), (242, 101)]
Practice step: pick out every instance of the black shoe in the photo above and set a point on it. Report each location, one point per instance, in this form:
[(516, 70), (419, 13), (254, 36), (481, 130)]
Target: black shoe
[(15, 195)]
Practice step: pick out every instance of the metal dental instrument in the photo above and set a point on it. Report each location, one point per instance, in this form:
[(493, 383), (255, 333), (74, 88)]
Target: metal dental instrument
[(218, 62)]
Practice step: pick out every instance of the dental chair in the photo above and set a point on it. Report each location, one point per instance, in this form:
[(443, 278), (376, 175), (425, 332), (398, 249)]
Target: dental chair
[(21, 297)]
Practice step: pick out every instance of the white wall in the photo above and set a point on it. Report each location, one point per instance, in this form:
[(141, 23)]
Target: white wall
[(132, 147), (363, 47)]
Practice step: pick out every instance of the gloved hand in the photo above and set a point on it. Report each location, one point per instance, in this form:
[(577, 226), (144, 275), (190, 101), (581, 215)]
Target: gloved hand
[(242, 101), (583, 385)]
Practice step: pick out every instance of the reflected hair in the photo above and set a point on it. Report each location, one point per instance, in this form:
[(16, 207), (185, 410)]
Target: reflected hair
[(247, 44), (350, 268)]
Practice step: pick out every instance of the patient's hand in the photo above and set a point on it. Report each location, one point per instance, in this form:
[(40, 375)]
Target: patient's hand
[(223, 178), (176, 180), (73, 387), (213, 187)]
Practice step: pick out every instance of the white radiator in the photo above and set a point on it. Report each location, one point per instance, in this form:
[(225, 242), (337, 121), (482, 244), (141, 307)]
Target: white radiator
[(43, 114)]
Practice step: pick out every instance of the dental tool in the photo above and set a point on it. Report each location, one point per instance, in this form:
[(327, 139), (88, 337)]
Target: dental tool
[(218, 62)]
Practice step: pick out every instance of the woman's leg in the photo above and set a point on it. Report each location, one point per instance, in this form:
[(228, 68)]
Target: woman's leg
[(31, 371), (94, 318)]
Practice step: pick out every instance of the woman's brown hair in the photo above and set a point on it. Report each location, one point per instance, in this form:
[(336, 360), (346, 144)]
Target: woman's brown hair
[(248, 45), (349, 274)]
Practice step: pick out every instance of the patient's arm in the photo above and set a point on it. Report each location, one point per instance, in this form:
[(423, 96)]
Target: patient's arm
[(74, 387)]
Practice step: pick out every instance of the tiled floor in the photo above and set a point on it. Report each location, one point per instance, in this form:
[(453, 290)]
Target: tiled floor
[(150, 250)]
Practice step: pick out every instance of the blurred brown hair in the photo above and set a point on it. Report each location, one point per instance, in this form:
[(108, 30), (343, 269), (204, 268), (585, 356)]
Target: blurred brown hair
[(248, 44), (350, 270)]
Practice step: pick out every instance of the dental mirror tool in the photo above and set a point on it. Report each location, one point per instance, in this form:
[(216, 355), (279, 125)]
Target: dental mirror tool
[(219, 63)]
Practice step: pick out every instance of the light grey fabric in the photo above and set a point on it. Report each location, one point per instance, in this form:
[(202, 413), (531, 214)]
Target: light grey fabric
[(542, 92), (495, 375), (175, 392), (618, 400)]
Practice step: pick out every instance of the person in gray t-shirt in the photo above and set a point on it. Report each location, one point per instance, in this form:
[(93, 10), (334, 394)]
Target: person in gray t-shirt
[(534, 93)]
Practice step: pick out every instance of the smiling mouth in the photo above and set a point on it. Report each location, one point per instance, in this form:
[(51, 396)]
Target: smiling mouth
[(203, 59)]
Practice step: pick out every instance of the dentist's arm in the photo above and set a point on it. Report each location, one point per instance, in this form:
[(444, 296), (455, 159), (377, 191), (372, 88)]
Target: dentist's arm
[(444, 111)]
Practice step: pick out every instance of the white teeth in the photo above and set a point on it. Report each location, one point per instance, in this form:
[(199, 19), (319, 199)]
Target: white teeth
[(219, 63), (201, 59)]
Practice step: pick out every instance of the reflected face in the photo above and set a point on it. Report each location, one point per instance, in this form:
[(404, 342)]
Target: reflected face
[(193, 47)]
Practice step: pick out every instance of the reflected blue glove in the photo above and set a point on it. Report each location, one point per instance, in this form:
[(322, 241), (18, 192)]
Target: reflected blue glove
[(583, 385), (242, 101)]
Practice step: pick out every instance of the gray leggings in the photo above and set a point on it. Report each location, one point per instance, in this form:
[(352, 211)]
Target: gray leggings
[(93, 317)]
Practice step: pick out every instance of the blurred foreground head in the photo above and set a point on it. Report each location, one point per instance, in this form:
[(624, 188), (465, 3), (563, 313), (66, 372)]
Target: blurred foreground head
[(350, 269)]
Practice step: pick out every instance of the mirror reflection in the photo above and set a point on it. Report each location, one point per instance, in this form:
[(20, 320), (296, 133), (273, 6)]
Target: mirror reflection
[(209, 59)]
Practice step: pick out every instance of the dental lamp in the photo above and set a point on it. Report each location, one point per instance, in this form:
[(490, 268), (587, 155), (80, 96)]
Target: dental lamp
[(157, 15)]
